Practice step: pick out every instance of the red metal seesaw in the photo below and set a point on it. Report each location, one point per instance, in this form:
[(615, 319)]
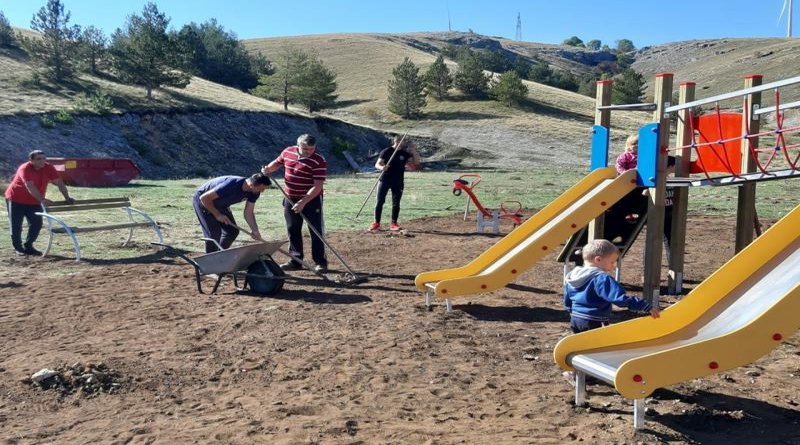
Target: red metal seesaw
[(460, 184)]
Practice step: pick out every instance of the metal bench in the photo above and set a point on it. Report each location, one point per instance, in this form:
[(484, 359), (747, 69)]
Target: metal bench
[(61, 226)]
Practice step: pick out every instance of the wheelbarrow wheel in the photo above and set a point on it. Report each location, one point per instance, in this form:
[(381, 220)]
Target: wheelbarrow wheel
[(260, 277)]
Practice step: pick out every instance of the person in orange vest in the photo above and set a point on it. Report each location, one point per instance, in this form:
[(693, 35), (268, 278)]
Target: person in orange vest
[(26, 195)]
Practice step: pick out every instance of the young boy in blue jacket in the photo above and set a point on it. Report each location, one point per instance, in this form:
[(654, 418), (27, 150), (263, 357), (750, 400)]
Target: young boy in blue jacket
[(589, 290)]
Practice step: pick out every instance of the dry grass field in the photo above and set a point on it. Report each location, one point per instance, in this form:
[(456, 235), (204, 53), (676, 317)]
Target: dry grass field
[(719, 65)]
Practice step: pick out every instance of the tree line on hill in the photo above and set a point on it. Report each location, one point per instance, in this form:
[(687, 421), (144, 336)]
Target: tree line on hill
[(408, 88), (144, 52)]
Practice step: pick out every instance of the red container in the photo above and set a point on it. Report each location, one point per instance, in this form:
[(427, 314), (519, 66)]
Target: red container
[(95, 172)]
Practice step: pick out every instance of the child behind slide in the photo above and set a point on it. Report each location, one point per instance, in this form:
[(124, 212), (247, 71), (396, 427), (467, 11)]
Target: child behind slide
[(589, 290)]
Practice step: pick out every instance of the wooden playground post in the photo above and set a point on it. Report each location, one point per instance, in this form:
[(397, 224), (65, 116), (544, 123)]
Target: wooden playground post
[(655, 206), (680, 205), (602, 117), (746, 209)]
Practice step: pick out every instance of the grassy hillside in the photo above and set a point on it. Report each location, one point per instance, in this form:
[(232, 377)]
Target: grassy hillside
[(718, 66), (553, 126), (22, 94)]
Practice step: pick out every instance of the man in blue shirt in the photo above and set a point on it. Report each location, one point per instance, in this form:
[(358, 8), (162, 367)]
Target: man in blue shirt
[(212, 202)]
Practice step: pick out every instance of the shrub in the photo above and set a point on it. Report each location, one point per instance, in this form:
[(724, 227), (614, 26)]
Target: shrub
[(99, 102), (340, 146), (46, 121), (34, 81), (63, 116)]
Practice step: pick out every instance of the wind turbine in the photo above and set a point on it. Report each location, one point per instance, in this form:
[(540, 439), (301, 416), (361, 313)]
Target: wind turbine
[(787, 4)]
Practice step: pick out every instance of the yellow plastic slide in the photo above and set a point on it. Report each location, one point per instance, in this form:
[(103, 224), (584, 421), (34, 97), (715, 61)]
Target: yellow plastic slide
[(738, 314), (536, 237)]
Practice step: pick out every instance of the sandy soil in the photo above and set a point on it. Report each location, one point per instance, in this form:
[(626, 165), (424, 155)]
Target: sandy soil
[(363, 364)]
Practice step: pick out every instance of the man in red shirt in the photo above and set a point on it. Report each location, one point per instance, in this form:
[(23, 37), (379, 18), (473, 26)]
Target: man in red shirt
[(304, 177), (26, 195)]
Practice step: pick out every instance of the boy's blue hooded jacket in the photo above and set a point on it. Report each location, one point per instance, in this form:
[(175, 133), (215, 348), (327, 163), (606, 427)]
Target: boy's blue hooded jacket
[(589, 293)]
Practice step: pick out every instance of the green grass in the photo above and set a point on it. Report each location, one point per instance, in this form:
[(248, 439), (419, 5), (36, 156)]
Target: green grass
[(427, 194)]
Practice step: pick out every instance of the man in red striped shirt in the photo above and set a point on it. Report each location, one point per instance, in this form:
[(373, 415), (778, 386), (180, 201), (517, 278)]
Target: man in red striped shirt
[(304, 177)]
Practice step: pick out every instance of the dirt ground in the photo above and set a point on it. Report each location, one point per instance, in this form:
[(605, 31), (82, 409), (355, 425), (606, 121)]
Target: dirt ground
[(348, 365)]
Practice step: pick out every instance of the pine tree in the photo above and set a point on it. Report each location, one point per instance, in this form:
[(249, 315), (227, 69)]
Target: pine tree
[(316, 84), (6, 32), (470, 78), (406, 90), (438, 79), (509, 89), (92, 47), (144, 54), (56, 48), (280, 85), (594, 44), (218, 55), (628, 88)]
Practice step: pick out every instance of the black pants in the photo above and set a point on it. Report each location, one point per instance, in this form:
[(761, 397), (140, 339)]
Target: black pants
[(294, 226), (16, 212), (579, 325), (224, 234), (397, 193)]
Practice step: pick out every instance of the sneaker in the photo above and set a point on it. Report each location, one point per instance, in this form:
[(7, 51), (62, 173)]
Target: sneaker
[(319, 268), (291, 265), (32, 251), (394, 227), (19, 253), (374, 226)]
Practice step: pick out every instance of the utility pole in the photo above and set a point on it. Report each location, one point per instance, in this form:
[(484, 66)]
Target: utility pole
[(518, 37), (449, 29)]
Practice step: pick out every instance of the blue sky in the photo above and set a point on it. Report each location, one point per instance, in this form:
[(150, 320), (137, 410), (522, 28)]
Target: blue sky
[(645, 22)]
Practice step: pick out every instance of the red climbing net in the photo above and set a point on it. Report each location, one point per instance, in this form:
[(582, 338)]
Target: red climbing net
[(725, 150)]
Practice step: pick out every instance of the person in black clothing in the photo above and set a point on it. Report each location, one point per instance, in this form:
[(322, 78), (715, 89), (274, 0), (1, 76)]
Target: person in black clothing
[(393, 162)]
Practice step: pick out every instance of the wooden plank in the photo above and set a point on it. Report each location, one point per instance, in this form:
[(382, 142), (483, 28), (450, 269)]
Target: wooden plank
[(681, 197), (101, 228), (353, 164), (91, 201), (746, 207), (78, 208), (655, 208), (602, 116)]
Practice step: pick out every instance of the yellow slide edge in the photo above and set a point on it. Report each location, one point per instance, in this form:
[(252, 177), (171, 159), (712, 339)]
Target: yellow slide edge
[(519, 234), (739, 348), (718, 285), (525, 258)]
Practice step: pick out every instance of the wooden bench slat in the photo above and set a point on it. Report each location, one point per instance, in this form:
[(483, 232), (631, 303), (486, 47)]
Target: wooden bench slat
[(99, 228), (77, 208), (91, 201)]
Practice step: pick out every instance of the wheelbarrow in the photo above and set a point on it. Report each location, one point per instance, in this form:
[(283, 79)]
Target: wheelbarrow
[(251, 263)]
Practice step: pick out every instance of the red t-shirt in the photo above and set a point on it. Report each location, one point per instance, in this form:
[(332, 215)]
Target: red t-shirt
[(18, 193), (301, 172)]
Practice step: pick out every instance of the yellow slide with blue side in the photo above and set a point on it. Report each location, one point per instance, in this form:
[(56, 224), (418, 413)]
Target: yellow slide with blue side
[(738, 314), (533, 239)]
